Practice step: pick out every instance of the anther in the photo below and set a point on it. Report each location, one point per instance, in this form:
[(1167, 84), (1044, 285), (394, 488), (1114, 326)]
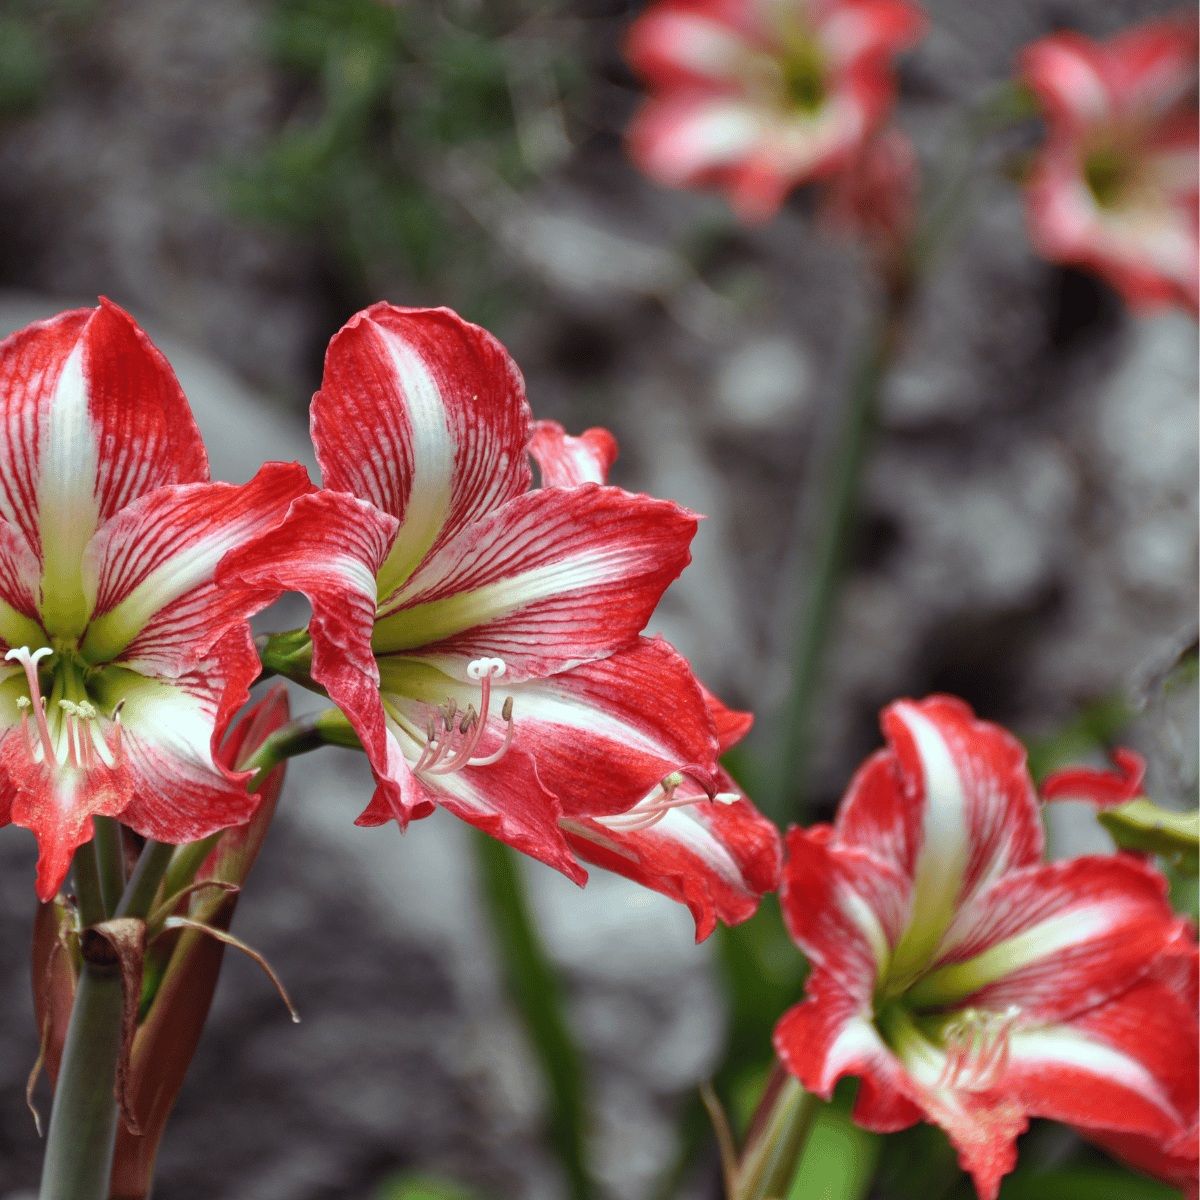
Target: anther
[(652, 808)]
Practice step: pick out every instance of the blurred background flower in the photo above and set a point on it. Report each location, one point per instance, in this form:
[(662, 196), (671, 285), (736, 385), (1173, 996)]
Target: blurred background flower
[(246, 174)]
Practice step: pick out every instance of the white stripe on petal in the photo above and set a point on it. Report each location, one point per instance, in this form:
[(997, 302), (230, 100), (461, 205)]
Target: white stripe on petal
[(1075, 927), (68, 510), (423, 624), (944, 852), (433, 456), (1059, 1045)]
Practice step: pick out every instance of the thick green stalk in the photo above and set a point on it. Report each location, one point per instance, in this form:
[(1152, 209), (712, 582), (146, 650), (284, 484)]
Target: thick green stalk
[(534, 986), (83, 1121), (110, 861)]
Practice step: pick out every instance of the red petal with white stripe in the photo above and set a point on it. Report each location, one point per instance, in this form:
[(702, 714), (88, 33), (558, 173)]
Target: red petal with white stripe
[(566, 461), (151, 568), (93, 417), (554, 577), (423, 415)]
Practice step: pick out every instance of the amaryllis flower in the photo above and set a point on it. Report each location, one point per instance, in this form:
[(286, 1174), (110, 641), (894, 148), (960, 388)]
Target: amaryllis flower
[(123, 662), (1115, 186), (757, 96), (483, 638), (973, 985)]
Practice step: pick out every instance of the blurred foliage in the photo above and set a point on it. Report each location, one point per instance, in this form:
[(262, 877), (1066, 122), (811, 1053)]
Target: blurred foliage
[(30, 33), (422, 1187), (381, 96), (536, 991)]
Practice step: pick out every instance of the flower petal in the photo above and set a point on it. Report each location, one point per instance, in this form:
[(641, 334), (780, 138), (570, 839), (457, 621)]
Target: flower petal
[(845, 909), (330, 547), (957, 812), (1104, 788), (163, 549), (424, 416), (731, 725), (605, 733), (172, 731), (1052, 940), (20, 575), (57, 805), (93, 418), (506, 800), (555, 577), (718, 859), (566, 461)]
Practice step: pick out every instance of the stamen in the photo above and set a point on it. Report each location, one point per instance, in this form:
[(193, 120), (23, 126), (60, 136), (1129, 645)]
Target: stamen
[(506, 713), (29, 662), (118, 751), (977, 1048), (444, 757), (23, 702), (652, 808), (71, 709)]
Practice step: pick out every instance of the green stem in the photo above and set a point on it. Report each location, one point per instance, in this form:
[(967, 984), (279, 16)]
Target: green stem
[(83, 1121), (827, 515), (143, 883), (89, 898), (534, 986), (110, 861), (776, 1142)]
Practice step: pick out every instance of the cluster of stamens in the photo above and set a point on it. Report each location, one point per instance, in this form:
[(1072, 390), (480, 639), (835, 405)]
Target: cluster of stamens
[(652, 808), (451, 738), (977, 1048), (78, 744)]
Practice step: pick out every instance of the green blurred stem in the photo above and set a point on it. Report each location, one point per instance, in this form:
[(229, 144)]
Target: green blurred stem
[(83, 1121), (534, 986), (827, 519), (776, 1141)]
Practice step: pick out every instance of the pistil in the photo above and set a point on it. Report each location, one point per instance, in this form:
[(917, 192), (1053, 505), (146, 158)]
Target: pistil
[(29, 662)]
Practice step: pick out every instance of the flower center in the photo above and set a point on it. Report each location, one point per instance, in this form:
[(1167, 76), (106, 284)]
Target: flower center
[(67, 732), (803, 76), (1108, 173), (652, 808), (976, 1041), (451, 739)]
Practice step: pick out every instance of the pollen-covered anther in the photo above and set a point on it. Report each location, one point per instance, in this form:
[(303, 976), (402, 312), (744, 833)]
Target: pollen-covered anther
[(449, 748), (977, 1048), (652, 808)]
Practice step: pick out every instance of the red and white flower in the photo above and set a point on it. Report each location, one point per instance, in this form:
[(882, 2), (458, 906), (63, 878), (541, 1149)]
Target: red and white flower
[(483, 638), (971, 984), (123, 662), (757, 96), (1115, 186)]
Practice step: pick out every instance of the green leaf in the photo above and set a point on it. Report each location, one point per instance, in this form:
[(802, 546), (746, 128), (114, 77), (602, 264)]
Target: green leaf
[(1142, 825), (1085, 1183)]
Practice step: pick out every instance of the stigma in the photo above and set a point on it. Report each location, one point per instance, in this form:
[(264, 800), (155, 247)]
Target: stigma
[(76, 739), (451, 739), (652, 808)]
